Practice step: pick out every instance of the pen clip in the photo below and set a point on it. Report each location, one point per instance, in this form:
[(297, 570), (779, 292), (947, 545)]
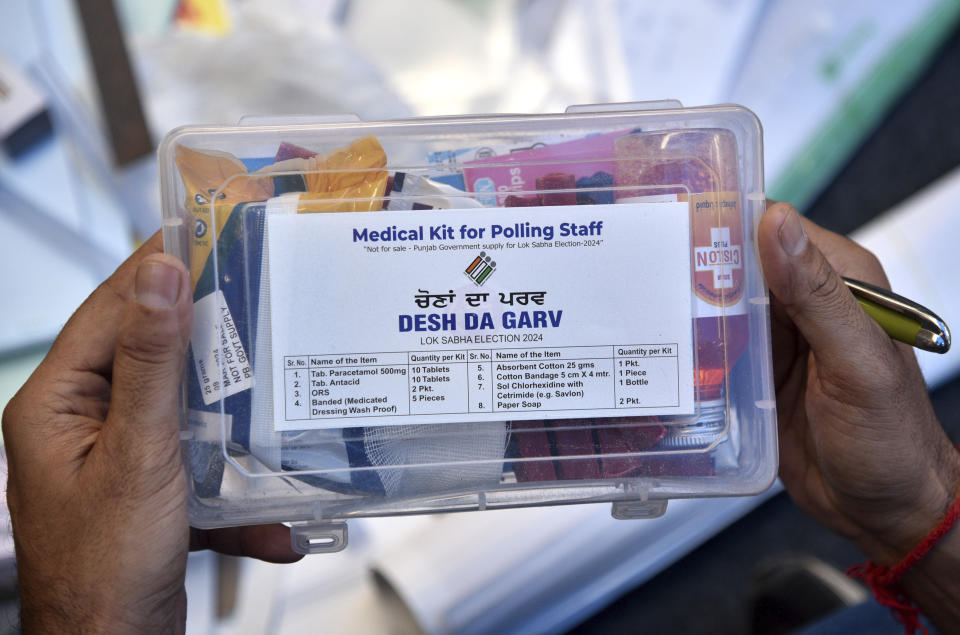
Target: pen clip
[(934, 336)]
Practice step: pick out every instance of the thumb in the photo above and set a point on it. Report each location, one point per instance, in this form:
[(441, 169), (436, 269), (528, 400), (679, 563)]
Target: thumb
[(812, 293), (151, 342)]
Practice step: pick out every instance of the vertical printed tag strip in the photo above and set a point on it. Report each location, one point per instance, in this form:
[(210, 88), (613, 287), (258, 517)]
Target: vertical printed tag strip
[(215, 332)]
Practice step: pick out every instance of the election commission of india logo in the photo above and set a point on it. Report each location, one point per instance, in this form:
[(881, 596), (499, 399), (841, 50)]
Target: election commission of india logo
[(480, 269)]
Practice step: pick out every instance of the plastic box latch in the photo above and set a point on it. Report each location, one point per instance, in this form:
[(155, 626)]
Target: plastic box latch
[(319, 538), (637, 510)]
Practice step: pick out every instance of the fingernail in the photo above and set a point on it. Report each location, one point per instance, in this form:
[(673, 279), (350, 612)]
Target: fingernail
[(157, 285), (792, 237)]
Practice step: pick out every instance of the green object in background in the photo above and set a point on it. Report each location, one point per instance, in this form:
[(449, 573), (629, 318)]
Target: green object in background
[(828, 150)]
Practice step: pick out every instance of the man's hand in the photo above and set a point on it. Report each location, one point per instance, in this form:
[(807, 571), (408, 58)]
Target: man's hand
[(861, 449), (97, 492)]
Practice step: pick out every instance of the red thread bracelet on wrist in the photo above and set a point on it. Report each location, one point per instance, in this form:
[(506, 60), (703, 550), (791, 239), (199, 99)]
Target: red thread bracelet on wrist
[(884, 580)]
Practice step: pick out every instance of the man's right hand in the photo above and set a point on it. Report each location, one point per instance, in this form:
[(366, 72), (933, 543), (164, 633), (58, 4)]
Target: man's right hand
[(861, 449)]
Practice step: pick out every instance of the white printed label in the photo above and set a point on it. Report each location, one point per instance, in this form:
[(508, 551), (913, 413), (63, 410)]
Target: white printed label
[(208, 426), (721, 259), (214, 332), (526, 313)]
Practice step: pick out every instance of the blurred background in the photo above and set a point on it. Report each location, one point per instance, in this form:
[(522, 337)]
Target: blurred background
[(859, 104)]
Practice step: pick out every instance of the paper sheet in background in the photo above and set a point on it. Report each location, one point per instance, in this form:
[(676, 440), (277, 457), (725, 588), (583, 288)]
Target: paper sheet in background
[(917, 243), (821, 75), (689, 50), (544, 55), (295, 61)]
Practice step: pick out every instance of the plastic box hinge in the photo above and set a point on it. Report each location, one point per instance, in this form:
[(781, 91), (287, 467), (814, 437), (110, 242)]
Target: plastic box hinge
[(329, 537), (637, 510)]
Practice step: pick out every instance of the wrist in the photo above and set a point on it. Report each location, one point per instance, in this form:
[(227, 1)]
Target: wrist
[(941, 562), (40, 618), (889, 541), (924, 582), (53, 608)]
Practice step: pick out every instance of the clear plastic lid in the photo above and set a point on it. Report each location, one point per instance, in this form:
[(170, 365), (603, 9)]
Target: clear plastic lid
[(448, 314)]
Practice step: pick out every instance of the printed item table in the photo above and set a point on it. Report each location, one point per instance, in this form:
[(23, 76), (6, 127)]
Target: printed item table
[(479, 381)]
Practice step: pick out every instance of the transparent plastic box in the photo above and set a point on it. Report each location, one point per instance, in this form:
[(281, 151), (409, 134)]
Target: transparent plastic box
[(471, 313)]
